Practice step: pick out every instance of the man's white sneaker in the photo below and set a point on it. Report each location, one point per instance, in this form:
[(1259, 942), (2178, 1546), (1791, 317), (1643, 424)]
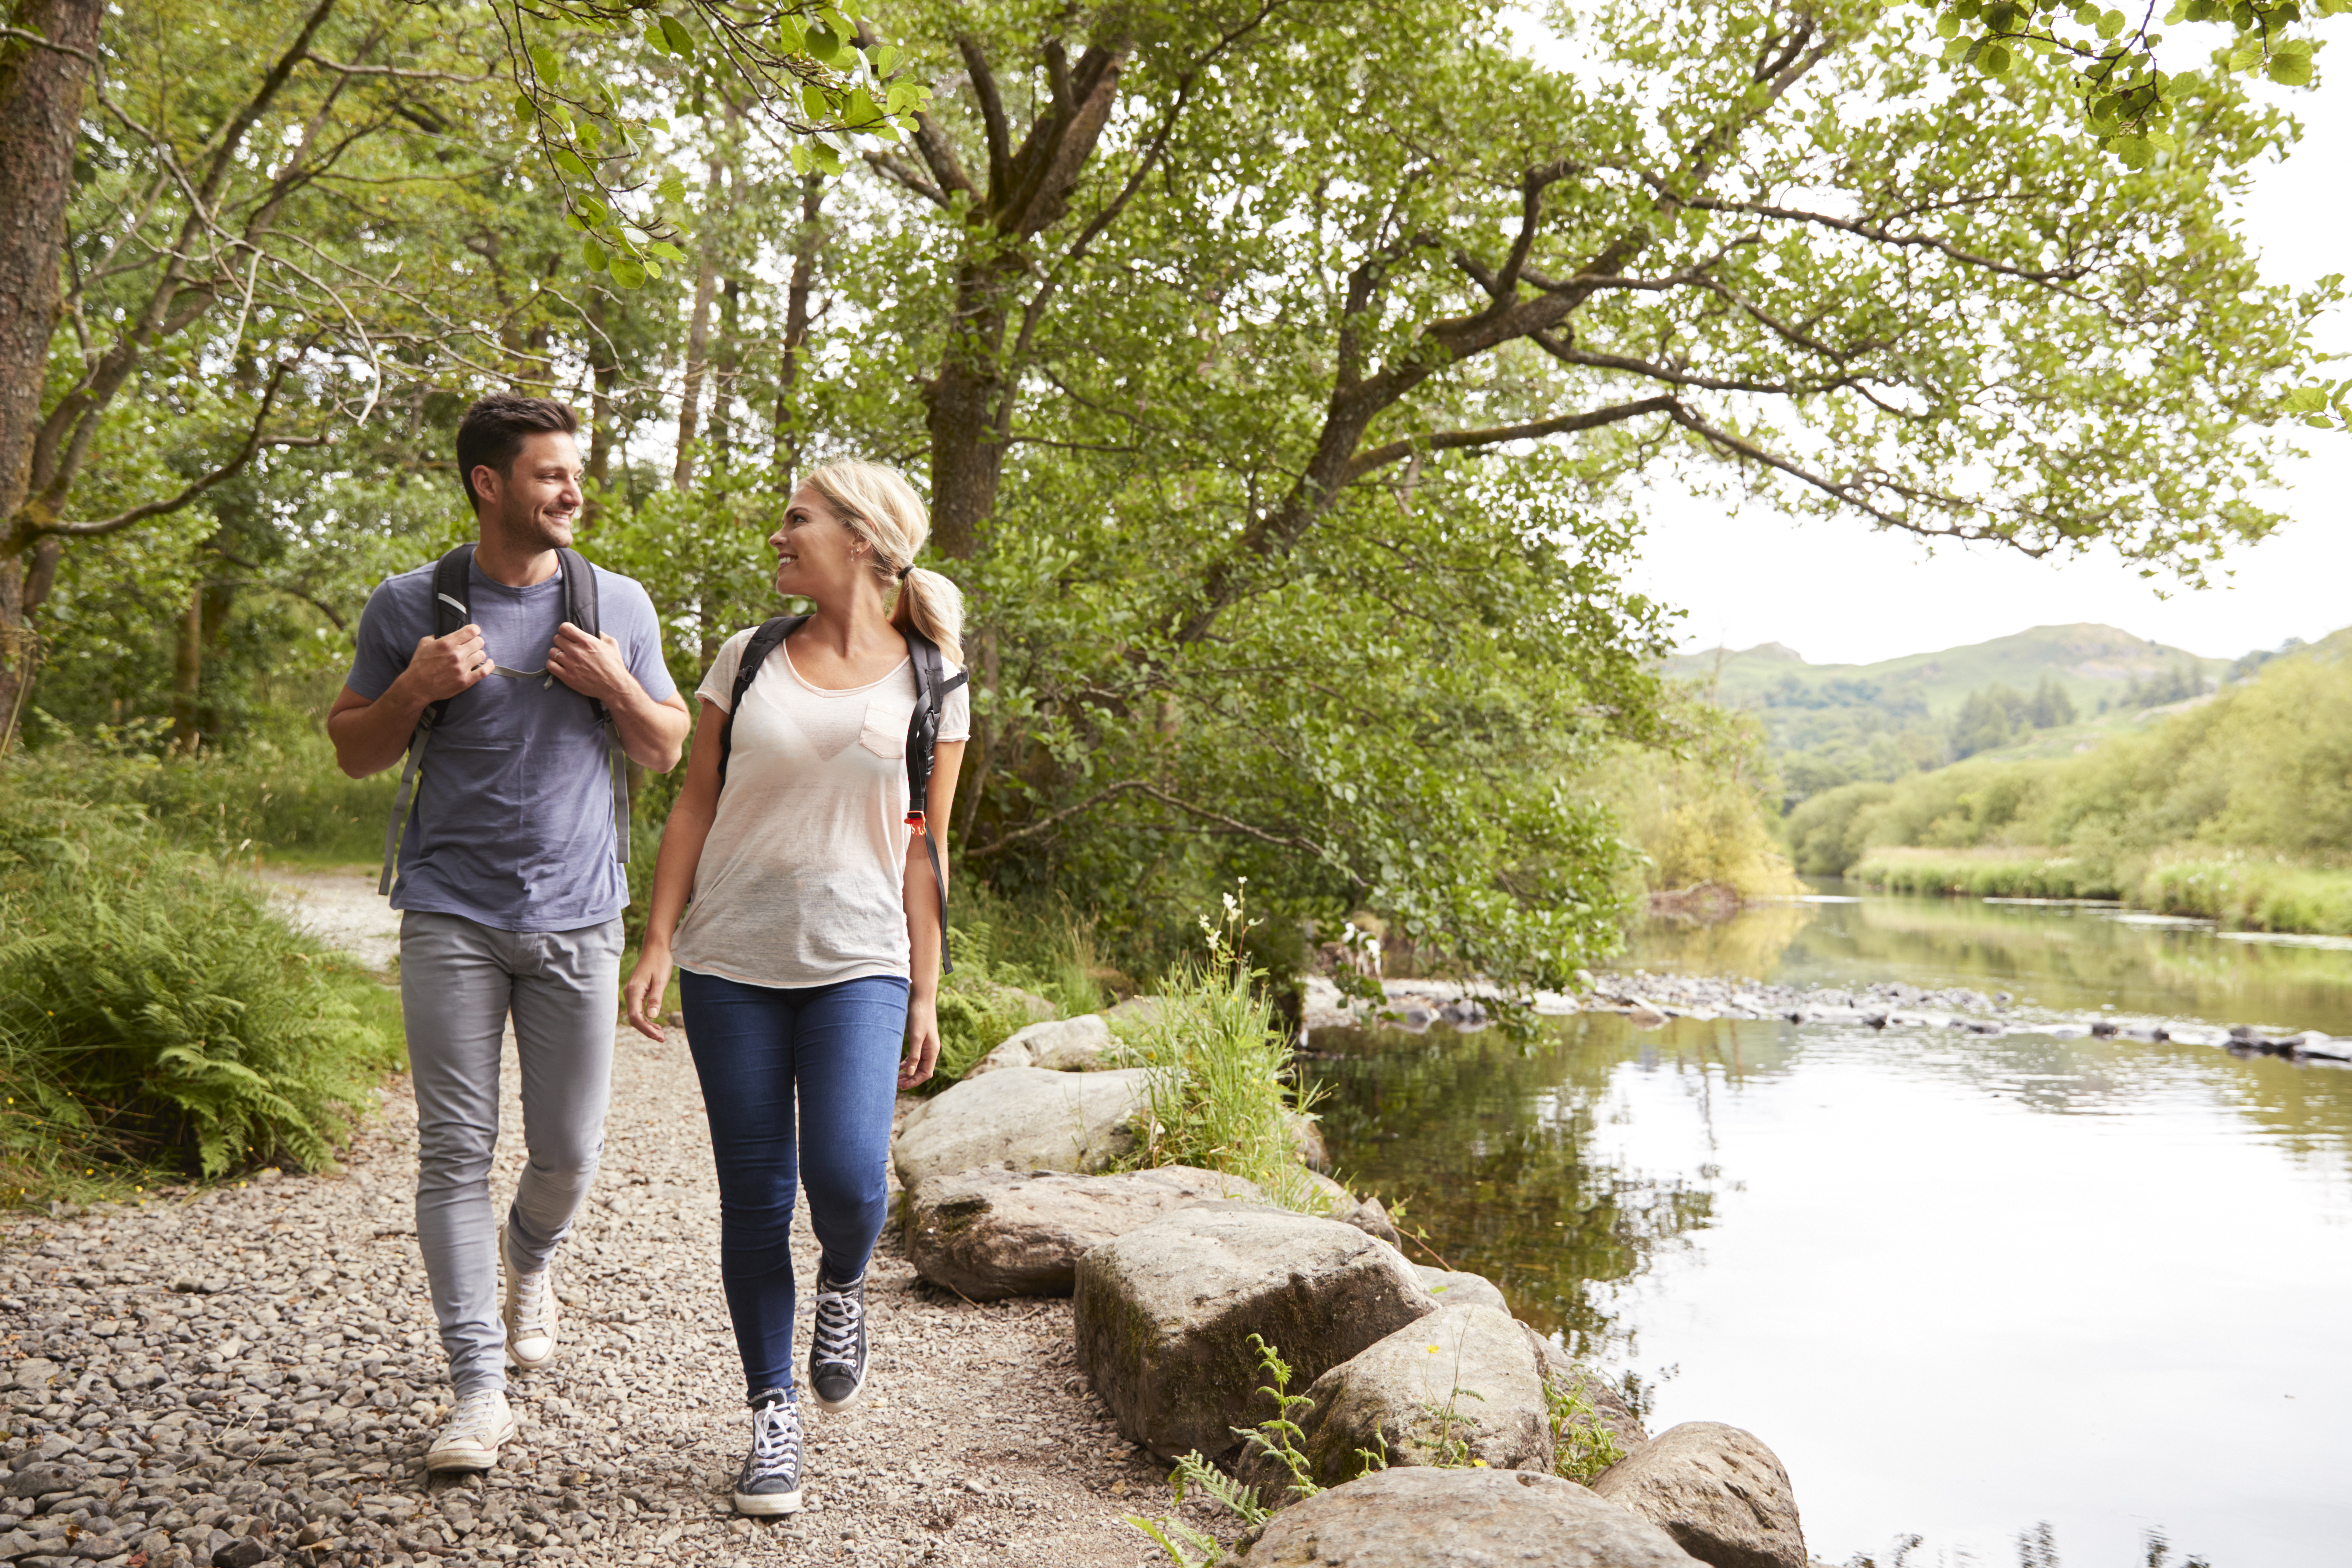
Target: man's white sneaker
[(476, 1430), (529, 1311)]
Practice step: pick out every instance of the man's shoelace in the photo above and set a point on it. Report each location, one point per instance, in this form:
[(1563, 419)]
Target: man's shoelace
[(775, 1440), (476, 1418), (837, 1316), (531, 1305)]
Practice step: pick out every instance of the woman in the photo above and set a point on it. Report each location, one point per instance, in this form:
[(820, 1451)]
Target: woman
[(811, 950)]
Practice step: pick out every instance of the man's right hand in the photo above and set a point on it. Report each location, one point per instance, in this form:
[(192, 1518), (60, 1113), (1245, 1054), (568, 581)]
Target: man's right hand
[(443, 667)]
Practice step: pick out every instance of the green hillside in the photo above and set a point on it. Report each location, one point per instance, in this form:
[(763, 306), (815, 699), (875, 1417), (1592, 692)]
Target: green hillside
[(2048, 689)]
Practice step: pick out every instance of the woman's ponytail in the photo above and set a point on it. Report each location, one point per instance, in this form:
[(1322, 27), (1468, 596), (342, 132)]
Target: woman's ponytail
[(931, 604), (880, 507)]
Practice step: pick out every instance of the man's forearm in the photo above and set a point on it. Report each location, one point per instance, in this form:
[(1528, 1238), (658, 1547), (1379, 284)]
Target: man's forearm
[(652, 734), (371, 738)]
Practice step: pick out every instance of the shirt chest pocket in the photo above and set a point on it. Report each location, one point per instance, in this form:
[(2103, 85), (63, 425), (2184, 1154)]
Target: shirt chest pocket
[(884, 731)]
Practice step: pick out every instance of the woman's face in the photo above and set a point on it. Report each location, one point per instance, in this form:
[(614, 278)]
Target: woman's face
[(817, 554)]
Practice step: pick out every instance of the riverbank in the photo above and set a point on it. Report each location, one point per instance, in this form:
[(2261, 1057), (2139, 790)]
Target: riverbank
[(2241, 891), (258, 1358)]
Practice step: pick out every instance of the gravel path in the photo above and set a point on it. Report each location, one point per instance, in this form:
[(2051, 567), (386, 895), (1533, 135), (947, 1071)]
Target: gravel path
[(258, 1360)]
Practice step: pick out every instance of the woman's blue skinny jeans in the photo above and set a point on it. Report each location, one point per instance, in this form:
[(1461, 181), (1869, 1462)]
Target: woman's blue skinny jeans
[(834, 1049)]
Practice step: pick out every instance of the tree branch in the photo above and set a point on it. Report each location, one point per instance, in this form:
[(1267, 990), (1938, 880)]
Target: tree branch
[(992, 114), (1454, 440), (254, 442), (1879, 234)]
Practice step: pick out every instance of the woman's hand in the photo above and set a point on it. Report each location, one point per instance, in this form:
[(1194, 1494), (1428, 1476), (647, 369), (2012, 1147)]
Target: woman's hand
[(922, 1042), (643, 993)]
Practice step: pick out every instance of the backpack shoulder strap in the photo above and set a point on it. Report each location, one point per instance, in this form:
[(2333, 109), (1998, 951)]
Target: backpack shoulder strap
[(755, 654), (932, 685), (452, 596), (580, 608)]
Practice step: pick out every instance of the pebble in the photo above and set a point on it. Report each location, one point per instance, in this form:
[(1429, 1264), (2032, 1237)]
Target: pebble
[(249, 1373)]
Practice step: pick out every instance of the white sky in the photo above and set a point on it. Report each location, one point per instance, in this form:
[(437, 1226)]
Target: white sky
[(1839, 592)]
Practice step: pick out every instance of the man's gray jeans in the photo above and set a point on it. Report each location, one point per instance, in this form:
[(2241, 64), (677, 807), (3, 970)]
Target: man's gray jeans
[(459, 980)]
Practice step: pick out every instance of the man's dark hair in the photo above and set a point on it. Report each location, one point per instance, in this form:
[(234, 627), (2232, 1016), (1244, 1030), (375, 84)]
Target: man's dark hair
[(494, 429)]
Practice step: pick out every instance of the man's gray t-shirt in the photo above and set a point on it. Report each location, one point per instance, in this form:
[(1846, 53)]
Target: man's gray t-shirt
[(512, 824)]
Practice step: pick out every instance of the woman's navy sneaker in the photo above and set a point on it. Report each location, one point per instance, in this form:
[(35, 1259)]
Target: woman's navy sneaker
[(837, 1345), (769, 1481)]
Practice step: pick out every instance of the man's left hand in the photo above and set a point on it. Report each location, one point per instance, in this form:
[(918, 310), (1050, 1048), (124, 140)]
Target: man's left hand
[(590, 666)]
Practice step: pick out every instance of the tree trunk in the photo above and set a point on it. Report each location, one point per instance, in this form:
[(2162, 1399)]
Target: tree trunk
[(966, 398), (604, 370), (187, 675), (722, 374), (41, 118), (689, 402), (796, 328)]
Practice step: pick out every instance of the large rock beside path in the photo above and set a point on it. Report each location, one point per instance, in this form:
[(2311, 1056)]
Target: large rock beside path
[(1163, 1316), (1458, 1387), (1459, 1519), (1060, 1044), (1718, 1491), (1452, 1287), (989, 1234), (1021, 1118)]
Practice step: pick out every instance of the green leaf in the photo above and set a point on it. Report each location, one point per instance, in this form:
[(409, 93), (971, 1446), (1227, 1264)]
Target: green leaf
[(1994, 61), (544, 65), (2111, 23), (2305, 399), (1947, 25), (883, 59), (2291, 63), (862, 111), (680, 41), (814, 102), (823, 46), (594, 255), (665, 251), (790, 37), (800, 158), (569, 162), (2086, 15), (903, 96), (827, 160), (671, 189), (526, 112)]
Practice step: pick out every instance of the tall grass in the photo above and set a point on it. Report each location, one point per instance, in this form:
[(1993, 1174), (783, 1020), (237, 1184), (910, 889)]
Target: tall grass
[(154, 1010), (1012, 967), (1220, 1099), (284, 798), (1985, 873)]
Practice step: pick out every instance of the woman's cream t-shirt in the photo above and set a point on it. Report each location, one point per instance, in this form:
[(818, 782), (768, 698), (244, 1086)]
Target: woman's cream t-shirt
[(802, 879)]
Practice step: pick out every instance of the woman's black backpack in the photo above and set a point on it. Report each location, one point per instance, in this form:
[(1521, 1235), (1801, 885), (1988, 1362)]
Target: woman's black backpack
[(932, 684)]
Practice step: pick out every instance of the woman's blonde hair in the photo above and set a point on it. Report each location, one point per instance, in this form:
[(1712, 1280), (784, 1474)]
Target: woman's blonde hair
[(880, 507)]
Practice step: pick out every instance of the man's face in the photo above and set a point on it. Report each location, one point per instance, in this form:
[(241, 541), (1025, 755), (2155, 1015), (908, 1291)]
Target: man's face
[(536, 500)]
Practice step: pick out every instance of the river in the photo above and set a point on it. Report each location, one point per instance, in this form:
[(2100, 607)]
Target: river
[(2028, 1298)]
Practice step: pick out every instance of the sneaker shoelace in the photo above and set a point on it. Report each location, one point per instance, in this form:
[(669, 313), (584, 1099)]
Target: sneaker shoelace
[(531, 1305), (775, 1440), (476, 1418), (838, 1315)]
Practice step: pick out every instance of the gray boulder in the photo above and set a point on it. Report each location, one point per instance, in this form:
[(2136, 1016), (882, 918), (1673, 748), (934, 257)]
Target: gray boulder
[(1021, 1118), (1060, 1044), (1137, 1012), (1718, 1491), (1163, 1316), (1455, 1288), (1367, 1215), (989, 1234), (1424, 1518), (1456, 1386), (1608, 1411)]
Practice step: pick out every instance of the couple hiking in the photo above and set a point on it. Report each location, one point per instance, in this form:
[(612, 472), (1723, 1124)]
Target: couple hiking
[(517, 678)]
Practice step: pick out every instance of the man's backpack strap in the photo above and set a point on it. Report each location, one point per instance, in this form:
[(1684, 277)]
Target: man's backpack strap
[(452, 576), (579, 609), (932, 685), (755, 654)]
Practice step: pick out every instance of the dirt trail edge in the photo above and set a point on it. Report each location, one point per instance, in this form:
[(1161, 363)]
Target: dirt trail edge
[(258, 1360)]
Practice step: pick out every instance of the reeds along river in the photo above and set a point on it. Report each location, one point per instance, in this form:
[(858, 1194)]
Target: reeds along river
[(1965, 1286)]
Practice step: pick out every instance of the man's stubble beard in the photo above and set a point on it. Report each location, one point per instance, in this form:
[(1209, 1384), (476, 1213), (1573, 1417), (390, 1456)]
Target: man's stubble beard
[(525, 529)]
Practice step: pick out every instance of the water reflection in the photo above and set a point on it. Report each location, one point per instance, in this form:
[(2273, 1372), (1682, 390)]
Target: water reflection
[(1486, 1145), (1963, 1285)]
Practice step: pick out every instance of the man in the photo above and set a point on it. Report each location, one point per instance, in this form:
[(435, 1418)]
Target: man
[(510, 885)]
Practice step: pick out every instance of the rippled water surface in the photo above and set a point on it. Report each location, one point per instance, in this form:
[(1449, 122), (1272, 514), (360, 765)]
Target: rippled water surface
[(1963, 1285)]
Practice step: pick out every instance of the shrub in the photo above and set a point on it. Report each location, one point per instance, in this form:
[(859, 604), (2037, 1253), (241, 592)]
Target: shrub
[(153, 1006)]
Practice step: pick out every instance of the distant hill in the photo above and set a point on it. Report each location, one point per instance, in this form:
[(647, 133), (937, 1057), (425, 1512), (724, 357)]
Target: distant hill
[(2089, 660), (1828, 724)]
